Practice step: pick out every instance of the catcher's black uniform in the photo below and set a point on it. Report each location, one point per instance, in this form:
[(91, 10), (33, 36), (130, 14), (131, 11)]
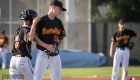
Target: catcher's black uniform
[(24, 47), (20, 63)]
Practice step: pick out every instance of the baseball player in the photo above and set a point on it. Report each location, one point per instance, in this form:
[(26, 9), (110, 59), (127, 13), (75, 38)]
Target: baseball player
[(20, 62), (3, 48), (49, 38), (121, 37)]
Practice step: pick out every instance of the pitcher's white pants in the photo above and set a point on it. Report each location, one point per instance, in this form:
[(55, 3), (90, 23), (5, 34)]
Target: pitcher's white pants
[(3, 56), (21, 66), (43, 62), (120, 56)]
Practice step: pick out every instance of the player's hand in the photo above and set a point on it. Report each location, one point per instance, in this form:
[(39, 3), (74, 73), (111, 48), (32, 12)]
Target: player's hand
[(111, 54), (35, 20), (49, 47)]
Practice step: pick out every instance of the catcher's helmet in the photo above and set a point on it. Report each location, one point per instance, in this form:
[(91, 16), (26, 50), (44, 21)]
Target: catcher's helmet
[(28, 14)]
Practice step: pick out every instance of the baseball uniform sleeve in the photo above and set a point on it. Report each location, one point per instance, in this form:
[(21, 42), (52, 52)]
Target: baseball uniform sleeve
[(39, 27), (113, 39), (133, 33), (62, 32)]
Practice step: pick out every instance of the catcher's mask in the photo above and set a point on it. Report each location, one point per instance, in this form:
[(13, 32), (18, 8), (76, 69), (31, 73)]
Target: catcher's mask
[(28, 14)]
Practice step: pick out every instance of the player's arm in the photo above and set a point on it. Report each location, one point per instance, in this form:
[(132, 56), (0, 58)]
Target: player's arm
[(41, 43), (112, 45), (33, 26), (136, 37), (134, 34), (60, 43)]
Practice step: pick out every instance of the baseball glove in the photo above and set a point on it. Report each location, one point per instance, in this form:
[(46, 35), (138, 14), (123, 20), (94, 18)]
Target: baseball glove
[(54, 52), (131, 45)]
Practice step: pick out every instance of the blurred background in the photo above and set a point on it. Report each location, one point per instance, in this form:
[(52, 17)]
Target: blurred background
[(89, 24)]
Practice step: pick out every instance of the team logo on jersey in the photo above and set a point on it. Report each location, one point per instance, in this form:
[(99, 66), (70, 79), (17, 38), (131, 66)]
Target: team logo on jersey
[(51, 31), (132, 78), (122, 37)]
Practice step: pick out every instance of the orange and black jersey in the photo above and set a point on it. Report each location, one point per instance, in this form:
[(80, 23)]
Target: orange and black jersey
[(21, 44), (3, 41), (122, 38), (49, 31)]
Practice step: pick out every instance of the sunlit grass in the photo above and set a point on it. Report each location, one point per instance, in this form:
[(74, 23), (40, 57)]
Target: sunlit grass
[(83, 72)]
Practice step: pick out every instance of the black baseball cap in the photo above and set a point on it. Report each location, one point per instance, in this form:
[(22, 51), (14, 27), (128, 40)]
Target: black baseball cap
[(58, 3), (121, 21)]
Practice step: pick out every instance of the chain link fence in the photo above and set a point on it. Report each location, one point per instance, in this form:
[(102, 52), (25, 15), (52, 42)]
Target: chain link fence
[(76, 31), (81, 33)]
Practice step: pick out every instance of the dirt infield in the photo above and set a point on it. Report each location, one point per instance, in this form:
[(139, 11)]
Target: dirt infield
[(88, 78)]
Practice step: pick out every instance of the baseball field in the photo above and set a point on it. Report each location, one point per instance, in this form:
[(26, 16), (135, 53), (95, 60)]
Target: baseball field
[(95, 73)]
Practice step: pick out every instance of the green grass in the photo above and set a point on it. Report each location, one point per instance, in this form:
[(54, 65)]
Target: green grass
[(82, 72), (96, 71)]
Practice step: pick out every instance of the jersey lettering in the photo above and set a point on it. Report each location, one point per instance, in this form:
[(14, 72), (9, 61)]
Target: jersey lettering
[(122, 37), (51, 31)]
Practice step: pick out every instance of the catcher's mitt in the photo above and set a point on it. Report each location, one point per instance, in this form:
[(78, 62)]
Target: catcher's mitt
[(54, 52), (131, 45)]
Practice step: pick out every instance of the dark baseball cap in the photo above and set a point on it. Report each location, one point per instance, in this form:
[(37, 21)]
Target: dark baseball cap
[(121, 21), (58, 3)]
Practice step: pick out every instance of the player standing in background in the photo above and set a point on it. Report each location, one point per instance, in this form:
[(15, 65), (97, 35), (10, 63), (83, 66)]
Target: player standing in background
[(121, 37), (20, 62), (49, 33), (3, 48)]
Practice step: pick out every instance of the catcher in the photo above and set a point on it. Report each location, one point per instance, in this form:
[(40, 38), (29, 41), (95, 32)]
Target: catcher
[(122, 37), (20, 63)]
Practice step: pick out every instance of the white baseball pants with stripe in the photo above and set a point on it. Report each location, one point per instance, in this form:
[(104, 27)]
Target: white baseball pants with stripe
[(43, 61), (121, 56), (21, 66)]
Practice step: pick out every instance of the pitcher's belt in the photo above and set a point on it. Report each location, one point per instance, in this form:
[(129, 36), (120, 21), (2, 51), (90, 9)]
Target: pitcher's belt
[(19, 55), (122, 48)]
